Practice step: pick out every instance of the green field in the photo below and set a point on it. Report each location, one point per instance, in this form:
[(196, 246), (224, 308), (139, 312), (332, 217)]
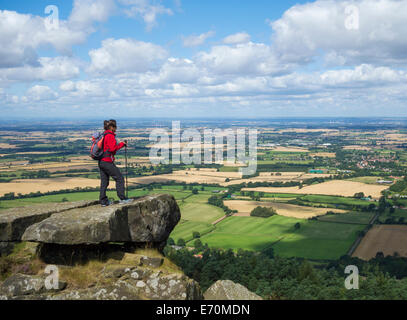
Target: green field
[(248, 232), (285, 161), (399, 213), (318, 199), (319, 240), (350, 217), (368, 180), (334, 200), (200, 212), (314, 240), (196, 215), (185, 229), (278, 195)]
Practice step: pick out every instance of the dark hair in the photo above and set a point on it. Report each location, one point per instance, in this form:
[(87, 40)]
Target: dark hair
[(109, 123)]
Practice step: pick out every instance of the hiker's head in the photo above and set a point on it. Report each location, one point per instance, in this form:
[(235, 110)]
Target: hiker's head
[(110, 125)]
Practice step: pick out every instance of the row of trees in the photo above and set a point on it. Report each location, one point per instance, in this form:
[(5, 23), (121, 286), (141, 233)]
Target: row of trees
[(217, 201), (281, 278)]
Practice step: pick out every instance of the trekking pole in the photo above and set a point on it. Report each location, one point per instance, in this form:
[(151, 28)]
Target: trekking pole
[(127, 183)]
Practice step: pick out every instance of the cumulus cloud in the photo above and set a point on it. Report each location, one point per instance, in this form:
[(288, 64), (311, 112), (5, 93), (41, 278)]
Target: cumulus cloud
[(380, 37), (197, 40), (240, 37), (363, 74), (174, 70), (67, 86), (83, 89), (248, 58), (41, 93), (86, 12), (146, 9), (58, 68), (125, 55), (369, 62), (21, 35)]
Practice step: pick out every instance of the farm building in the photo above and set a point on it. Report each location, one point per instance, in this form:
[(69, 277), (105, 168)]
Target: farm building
[(317, 171)]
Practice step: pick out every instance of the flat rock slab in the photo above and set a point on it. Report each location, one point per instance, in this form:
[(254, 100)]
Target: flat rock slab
[(228, 290), (146, 220), (14, 222)]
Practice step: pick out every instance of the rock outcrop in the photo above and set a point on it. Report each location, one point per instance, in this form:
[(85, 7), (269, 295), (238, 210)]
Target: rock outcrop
[(128, 276), (110, 253), (228, 290), (147, 220), (19, 286), (14, 222)]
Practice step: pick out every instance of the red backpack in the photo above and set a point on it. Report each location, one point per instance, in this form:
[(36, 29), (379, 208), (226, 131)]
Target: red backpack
[(96, 150)]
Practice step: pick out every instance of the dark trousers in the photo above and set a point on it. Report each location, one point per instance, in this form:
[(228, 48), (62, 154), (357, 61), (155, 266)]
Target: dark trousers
[(108, 170)]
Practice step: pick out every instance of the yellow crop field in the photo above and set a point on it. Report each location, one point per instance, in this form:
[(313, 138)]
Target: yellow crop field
[(342, 188), (283, 209), (26, 186)]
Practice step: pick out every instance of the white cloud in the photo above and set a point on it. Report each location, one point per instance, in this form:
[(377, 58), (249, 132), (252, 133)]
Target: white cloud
[(236, 38), (363, 74), (22, 34), (197, 40), (48, 69), (41, 93), (86, 12), (304, 31), (125, 56), (67, 86), (89, 88), (235, 73), (248, 58), (172, 71), (58, 68), (147, 10)]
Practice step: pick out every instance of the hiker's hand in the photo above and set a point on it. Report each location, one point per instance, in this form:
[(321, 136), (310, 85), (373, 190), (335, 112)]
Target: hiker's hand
[(125, 143)]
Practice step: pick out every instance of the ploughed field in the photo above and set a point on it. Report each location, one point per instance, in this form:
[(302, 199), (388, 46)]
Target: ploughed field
[(388, 239)]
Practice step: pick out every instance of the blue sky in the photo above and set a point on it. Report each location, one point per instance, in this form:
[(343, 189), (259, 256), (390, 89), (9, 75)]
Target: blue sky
[(189, 58)]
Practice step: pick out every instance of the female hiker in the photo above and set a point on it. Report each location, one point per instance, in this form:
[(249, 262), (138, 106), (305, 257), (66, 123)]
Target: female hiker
[(108, 168)]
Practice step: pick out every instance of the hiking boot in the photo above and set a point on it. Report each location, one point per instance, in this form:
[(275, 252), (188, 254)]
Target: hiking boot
[(126, 201), (107, 203)]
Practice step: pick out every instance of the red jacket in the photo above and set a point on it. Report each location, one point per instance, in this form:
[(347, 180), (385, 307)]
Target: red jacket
[(110, 145)]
